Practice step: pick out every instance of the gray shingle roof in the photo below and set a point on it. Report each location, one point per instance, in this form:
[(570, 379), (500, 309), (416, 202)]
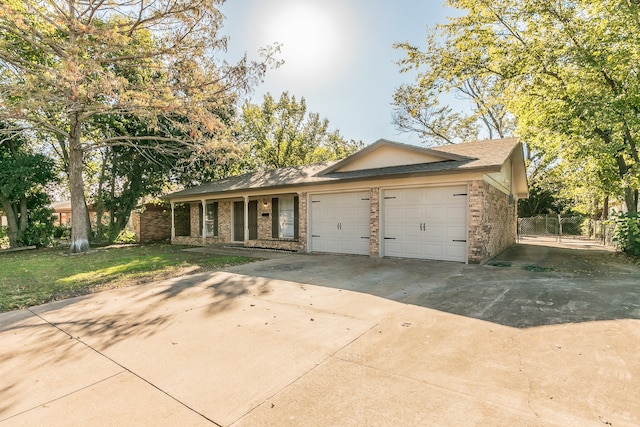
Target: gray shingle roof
[(264, 179), (480, 155)]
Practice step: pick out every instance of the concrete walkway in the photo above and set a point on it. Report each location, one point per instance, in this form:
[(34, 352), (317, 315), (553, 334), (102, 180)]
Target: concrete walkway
[(250, 347)]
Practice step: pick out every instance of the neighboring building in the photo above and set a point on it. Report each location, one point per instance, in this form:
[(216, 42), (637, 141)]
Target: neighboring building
[(455, 202), (62, 213)]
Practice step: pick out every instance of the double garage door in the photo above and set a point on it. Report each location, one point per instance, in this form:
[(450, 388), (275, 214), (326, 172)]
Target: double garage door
[(426, 223)]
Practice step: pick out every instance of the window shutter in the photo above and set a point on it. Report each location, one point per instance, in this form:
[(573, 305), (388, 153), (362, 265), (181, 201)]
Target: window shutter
[(215, 218), (275, 224), (296, 218)]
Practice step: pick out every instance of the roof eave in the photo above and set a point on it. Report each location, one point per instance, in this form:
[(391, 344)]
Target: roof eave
[(329, 180)]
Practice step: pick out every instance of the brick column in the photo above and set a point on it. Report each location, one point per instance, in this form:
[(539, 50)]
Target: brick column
[(302, 221), (475, 241), (196, 231), (374, 221)]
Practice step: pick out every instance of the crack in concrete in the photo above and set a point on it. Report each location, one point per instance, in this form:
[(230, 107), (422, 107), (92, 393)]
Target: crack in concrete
[(521, 370), (329, 356)]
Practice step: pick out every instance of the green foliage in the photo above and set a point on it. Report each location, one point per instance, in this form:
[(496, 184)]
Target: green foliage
[(126, 236), (565, 71), (40, 228), (627, 233), (282, 133), (61, 232), (23, 176)]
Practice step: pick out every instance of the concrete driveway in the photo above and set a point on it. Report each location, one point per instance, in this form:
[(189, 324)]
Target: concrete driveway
[(339, 340)]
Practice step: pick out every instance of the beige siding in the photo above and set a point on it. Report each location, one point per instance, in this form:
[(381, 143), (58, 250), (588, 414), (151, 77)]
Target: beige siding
[(386, 156)]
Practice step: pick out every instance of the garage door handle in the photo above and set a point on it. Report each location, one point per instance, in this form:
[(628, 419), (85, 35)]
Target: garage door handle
[(454, 240), (315, 235), (363, 237), (389, 238)]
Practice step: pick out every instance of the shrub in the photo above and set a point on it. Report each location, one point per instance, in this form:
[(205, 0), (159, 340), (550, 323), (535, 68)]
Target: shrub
[(4, 238), (62, 232), (627, 233), (126, 236)]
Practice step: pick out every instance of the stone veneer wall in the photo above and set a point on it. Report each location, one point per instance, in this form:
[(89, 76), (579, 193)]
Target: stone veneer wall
[(492, 221), (374, 221)]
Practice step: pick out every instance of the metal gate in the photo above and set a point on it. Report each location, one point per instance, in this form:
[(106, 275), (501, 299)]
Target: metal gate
[(557, 228)]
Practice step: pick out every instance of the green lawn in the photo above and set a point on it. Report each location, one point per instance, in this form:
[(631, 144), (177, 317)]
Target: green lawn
[(30, 278)]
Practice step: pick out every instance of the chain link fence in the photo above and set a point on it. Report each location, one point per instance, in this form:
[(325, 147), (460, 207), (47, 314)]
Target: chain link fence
[(558, 228)]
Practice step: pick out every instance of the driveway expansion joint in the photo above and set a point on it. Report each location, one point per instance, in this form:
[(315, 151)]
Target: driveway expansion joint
[(124, 369)]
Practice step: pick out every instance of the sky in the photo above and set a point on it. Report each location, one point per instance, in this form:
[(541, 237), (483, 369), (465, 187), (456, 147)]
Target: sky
[(338, 55)]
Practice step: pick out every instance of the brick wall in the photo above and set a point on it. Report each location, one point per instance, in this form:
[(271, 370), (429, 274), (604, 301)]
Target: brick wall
[(154, 224), (374, 221), (264, 222), (492, 221)]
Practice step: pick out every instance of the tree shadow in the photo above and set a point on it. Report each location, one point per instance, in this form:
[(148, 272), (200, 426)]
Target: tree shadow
[(44, 340), (525, 286)]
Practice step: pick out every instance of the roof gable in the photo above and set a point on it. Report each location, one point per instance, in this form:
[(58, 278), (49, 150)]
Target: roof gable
[(387, 154)]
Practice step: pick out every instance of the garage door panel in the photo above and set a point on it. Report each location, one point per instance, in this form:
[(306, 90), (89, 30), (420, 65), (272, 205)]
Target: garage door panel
[(425, 222), (456, 232), (339, 221), (433, 251), (434, 233)]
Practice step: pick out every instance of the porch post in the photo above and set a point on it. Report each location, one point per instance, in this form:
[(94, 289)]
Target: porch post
[(246, 218), (173, 221), (204, 225)]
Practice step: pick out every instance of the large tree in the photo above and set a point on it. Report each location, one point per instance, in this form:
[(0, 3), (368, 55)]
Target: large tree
[(419, 106), (282, 133), (566, 70), (65, 63)]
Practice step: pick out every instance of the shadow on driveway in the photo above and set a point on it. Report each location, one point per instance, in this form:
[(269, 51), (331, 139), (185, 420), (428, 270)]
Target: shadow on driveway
[(527, 285)]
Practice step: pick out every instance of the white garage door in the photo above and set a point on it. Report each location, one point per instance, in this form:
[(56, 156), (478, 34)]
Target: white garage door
[(340, 223), (427, 223)]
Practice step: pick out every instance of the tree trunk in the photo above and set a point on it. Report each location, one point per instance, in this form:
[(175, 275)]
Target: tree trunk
[(23, 223), (12, 222), (605, 208), (631, 200), (79, 214)]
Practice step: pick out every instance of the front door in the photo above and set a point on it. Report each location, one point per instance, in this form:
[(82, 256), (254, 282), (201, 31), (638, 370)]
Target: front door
[(238, 221)]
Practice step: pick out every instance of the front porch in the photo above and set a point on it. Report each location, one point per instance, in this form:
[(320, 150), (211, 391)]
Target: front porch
[(271, 221)]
